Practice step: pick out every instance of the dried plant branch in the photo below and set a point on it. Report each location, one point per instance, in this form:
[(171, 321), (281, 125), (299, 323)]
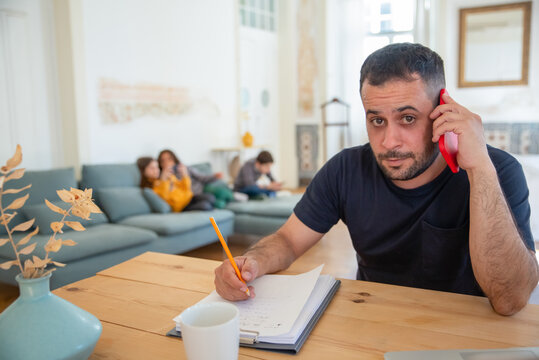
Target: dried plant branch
[(81, 205)]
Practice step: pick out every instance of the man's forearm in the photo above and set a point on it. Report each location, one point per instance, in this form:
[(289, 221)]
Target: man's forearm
[(273, 253), (504, 268)]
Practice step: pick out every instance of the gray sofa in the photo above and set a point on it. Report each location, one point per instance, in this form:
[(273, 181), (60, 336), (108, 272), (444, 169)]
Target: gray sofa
[(133, 220)]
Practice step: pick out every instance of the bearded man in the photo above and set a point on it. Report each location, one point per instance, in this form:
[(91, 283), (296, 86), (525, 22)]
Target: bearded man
[(411, 220)]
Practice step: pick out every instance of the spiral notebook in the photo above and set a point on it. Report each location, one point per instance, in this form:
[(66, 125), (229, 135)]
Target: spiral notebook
[(283, 313)]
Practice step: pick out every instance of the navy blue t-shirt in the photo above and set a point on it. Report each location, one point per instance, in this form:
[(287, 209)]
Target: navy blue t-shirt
[(416, 237)]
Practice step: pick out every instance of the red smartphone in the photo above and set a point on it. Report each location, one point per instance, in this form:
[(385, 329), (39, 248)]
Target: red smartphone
[(449, 145)]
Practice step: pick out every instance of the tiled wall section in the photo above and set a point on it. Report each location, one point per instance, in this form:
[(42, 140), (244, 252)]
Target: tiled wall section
[(516, 138)]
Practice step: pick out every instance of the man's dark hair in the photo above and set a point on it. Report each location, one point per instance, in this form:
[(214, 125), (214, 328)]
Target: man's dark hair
[(264, 157), (403, 61)]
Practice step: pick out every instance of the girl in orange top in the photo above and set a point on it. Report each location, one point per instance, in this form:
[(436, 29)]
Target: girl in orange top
[(177, 193)]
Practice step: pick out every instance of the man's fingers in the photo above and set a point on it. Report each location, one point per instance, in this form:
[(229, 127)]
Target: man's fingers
[(448, 99), (446, 123), (249, 270)]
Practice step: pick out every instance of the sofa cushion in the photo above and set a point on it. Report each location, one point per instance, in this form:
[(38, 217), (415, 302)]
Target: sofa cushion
[(109, 175), (157, 204), (121, 202), (44, 216), (44, 186), (95, 240), (273, 207), (176, 223)]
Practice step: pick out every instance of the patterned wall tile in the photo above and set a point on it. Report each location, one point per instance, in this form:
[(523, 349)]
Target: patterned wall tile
[(517, 138), (307, 152)]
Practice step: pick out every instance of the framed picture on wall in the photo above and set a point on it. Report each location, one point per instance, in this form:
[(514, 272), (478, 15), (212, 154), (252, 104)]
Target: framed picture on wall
[(494, 45)]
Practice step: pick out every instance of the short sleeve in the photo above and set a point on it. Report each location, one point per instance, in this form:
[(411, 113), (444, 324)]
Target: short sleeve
[(319, 207), (515, 189)]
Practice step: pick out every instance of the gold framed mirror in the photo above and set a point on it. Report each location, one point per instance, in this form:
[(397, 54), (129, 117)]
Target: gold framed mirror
[(494, 45)]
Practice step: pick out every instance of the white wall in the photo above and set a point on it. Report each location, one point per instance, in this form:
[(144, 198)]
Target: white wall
[(184, 44), (492, 103), (28, 101)]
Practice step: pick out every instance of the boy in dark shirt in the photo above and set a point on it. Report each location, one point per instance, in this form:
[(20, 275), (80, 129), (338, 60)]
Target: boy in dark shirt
[(247, 181), (411, 220)]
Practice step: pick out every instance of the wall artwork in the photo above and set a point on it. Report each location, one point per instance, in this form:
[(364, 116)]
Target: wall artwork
[(120, 103), (307, 64), (307, 152), (516, 138)]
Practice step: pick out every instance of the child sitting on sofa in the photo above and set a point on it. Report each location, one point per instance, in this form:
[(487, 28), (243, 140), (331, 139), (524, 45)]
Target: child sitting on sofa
[(201, 200), (177, 193), (255, 179)]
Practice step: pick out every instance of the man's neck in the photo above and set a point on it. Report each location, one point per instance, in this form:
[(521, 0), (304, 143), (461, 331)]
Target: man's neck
[(427, 176)]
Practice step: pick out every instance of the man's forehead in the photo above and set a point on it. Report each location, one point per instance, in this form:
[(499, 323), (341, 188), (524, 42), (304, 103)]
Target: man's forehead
[(397, 87)]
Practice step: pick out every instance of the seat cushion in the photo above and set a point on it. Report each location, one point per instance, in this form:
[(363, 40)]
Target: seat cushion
[(176, 223), (44, 216), (121, 202), (274, 207), (93, 241)]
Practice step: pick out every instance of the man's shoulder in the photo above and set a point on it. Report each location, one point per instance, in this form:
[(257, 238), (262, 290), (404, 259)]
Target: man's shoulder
[(501, 158)]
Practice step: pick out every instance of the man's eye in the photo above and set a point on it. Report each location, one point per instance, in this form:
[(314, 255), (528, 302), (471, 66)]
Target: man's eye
[(408, 119), (377, 122)]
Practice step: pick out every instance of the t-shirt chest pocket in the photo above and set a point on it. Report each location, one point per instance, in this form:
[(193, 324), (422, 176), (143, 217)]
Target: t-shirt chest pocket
[(445, 252)]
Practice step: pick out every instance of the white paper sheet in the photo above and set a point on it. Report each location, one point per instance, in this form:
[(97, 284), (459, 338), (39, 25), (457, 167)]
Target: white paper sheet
[(278, 302)]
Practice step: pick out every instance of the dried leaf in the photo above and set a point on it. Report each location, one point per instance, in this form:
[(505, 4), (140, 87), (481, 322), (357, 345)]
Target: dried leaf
[(78, 193), (55, 208), (39, 262), (14, 161), (27, 238), (28, 250), (8, 264), (48, 272), (3, 242), (94, 208), (17, 174), (2, 178), (69, 243), (66, 196), (81, 212), (15, 191), (88, 193), (56, 263), (28, 264), (57, 226), (54, 245), (31, 273), (18, 203), (6, 218), (75, 225), (24, 226)]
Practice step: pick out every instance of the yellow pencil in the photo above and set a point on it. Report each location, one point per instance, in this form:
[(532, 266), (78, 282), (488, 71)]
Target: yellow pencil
[(227, 251)]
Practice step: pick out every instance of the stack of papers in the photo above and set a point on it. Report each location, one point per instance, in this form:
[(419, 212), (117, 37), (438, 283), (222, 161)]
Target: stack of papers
[(285, 308)]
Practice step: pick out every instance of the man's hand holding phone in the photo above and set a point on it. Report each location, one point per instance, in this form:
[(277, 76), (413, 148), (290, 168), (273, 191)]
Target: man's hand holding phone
[(453, 117)]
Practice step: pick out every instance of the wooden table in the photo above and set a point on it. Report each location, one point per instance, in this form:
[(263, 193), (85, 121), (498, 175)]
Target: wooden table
[(136, 301)]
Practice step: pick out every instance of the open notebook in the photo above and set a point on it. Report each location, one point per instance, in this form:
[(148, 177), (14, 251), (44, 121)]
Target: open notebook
[(284, 311)]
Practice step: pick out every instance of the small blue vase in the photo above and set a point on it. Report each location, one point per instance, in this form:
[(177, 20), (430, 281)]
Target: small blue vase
[(41, 325)]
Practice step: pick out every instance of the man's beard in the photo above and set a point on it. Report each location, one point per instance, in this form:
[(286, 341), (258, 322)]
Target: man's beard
[(421, 162)]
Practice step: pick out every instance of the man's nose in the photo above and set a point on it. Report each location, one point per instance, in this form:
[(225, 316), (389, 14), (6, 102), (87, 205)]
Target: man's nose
[(392, 137)]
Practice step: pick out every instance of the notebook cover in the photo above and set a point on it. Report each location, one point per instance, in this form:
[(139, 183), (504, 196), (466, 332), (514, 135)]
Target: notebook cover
[(288, 348)]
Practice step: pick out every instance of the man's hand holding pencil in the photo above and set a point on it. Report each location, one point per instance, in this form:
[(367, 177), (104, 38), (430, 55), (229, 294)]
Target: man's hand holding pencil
[(233, 274), (227, 283)]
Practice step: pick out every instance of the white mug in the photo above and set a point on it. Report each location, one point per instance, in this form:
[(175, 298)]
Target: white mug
[(211, 331)]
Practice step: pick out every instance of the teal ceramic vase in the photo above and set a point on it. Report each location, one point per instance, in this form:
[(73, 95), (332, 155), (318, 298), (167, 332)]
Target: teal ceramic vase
[(41, 325)]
